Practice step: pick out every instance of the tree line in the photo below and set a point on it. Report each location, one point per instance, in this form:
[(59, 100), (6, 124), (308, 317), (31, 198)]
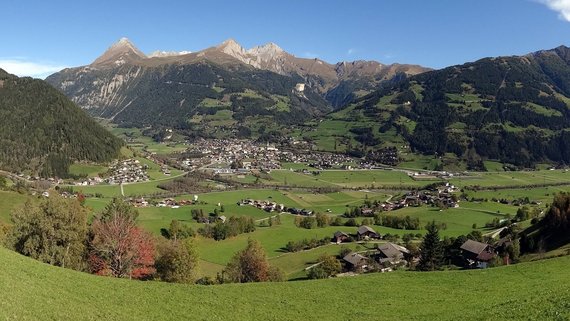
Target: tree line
[(56, 231)]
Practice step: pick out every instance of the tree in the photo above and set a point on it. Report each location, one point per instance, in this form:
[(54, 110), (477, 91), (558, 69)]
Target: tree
[(177, 261), (323, 220), (431, 250), (329, 266), (177, 230), (558, 216), (117, 246), (308, 222), (52, 231), (250, 265), (514, 250)]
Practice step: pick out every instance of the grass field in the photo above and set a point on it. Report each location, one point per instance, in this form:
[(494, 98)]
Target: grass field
[(8, 201), (514, 179), (89, 170), (344, 178), (30, 290)]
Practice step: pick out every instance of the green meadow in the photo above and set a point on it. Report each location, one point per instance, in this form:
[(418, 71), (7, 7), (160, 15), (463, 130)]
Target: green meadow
[(538, 290)]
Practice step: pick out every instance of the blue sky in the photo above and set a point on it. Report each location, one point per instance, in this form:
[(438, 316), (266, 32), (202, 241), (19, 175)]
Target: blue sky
[(40, 37)]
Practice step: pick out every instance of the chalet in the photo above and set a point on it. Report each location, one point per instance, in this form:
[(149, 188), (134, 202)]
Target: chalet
[(477, 254), (222, 218), (355, 261), (139, 202), (391, 254), (340, 237), (365, 232)]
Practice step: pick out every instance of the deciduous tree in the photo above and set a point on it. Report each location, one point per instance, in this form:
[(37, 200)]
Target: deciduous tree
[(250, 265), (52, 231), (118, 247), (177, 261)]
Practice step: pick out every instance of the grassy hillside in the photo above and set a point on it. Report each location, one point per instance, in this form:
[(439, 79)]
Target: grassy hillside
[(533, 291)]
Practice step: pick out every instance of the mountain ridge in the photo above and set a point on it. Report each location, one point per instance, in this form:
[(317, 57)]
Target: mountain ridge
[(113, 85)]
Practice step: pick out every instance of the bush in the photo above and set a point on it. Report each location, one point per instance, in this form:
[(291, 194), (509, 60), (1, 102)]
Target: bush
[(351, 222), (402, 223), (230, 228), (177, 261), (306, 244)]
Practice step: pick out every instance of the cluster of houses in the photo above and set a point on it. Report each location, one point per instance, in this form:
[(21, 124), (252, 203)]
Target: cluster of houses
[(226, 151), (89, 181), (128, 171), (363, 233), (442, 196), (270, 206), (267, 206), (167, 202), (476, 255), (319, 160), (256, 156), (384, 256)]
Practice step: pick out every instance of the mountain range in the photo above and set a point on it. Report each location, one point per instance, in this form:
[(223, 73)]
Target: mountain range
[(514, 109), (131, 88)]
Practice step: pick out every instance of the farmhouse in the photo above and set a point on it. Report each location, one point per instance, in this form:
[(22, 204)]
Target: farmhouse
[(356, 262), (477, 254), (366, 232), (391, 254), (340, 237)]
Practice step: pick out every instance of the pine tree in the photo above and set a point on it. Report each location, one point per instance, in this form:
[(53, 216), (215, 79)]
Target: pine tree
[(431, 253)]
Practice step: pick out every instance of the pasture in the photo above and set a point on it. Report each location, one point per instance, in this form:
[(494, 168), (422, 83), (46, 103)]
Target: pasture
[(529, 291)]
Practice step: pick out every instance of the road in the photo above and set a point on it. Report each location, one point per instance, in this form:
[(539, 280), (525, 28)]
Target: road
[(13, 176)]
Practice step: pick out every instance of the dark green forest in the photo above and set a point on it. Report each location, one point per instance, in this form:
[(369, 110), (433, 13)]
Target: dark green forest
[(43, 132)]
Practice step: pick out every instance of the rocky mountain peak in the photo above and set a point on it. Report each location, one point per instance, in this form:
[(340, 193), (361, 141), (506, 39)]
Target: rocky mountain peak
[(269, 49), (121, 52), (232, 48)]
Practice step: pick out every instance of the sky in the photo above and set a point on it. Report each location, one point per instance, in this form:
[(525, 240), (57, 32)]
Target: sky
[(42, 37)]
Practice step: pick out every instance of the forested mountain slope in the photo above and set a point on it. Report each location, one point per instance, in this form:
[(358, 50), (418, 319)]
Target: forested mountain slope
[(43, 132), (514, 109)]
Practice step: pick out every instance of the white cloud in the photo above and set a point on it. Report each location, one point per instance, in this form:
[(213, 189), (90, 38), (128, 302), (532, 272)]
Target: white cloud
[(351, 51), (560, 6), (22, 67)]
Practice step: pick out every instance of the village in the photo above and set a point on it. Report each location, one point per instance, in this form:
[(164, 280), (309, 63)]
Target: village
[(233, 156)]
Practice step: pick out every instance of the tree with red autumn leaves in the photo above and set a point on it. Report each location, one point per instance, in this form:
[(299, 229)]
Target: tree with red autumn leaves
[(117, 246)]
